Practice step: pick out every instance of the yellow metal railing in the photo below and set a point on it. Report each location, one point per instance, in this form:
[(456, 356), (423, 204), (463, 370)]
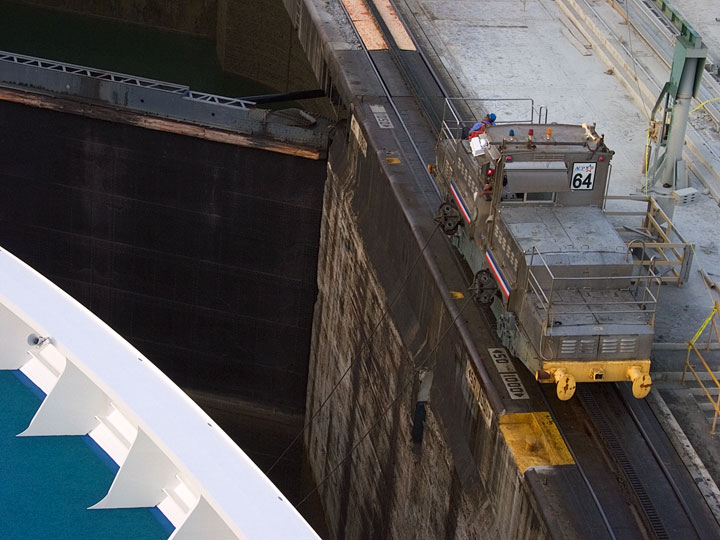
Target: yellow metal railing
[(711, 319), (661, 243)]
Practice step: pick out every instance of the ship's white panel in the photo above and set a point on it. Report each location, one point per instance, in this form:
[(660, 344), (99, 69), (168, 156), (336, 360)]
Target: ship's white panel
[(203, 522), (44, 366), (121, 425), (70, 407), (178, 503), (141, 477), (172, 510), (39, 373), (115, 434), (185, 495), (107, 439), (51, 357), (14, 335)]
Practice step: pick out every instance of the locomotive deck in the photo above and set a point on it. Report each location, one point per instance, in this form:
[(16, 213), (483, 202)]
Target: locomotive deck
[(566, 235), (601, 308)]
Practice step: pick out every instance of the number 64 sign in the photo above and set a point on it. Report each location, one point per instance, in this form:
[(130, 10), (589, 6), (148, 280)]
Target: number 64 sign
[(583, 176)]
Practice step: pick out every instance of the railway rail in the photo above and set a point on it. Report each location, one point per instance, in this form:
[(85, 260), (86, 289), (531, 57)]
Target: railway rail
[(671, 504), (640, 485)]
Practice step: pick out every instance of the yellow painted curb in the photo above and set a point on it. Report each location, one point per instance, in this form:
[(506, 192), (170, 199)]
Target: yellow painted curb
[(534, 440)]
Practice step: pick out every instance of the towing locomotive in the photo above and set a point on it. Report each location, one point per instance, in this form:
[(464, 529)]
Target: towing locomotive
[(524, 205)]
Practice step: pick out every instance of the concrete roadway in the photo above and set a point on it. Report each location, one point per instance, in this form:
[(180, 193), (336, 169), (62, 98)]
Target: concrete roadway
[(499, 49)]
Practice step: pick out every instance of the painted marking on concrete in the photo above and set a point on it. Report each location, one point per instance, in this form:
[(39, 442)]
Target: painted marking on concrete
[(396, 27), (534, 440), (472, 380), (365, 25), (392, 157), (685, 450), (382, 117), (497, 274), (355, 128), (476, 390), (508, 374)]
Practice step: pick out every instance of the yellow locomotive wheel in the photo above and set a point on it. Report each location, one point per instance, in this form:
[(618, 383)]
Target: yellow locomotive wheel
[(641, 386), (641, 382), (565, 386)]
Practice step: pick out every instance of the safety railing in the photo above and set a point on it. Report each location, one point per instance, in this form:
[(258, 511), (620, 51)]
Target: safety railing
[(655, 240), (44, 82), (639, 305), (692, 347), (42, 64), (459, 114)]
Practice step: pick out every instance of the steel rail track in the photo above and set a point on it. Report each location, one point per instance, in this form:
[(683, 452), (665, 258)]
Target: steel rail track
[(634, 490), (652, 518), (666, 471), (650, 491), (391, 101), (581, 469), (410, 77), (433, 204)]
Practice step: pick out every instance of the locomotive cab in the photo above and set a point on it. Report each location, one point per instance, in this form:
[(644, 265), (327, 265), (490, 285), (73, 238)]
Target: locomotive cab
[(526, 211)]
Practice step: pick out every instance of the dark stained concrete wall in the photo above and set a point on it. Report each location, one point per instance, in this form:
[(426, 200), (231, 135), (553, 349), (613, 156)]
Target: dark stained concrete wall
[(256, 40), (384, 318), (461, 481), (202, 255)]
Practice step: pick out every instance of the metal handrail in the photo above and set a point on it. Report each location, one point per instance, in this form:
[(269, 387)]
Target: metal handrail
[(692, 347), (535, 279), (461, 112), (93, 73), (123, 78), (536, 251), (645, 298), (659, 236), (542, 114)]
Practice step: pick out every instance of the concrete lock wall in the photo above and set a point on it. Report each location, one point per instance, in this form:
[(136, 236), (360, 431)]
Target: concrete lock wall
[(255, 38), (461, 481)]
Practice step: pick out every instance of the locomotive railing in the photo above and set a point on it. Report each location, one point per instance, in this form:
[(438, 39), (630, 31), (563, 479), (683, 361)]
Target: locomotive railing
[(641, 289), (459, 114)]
